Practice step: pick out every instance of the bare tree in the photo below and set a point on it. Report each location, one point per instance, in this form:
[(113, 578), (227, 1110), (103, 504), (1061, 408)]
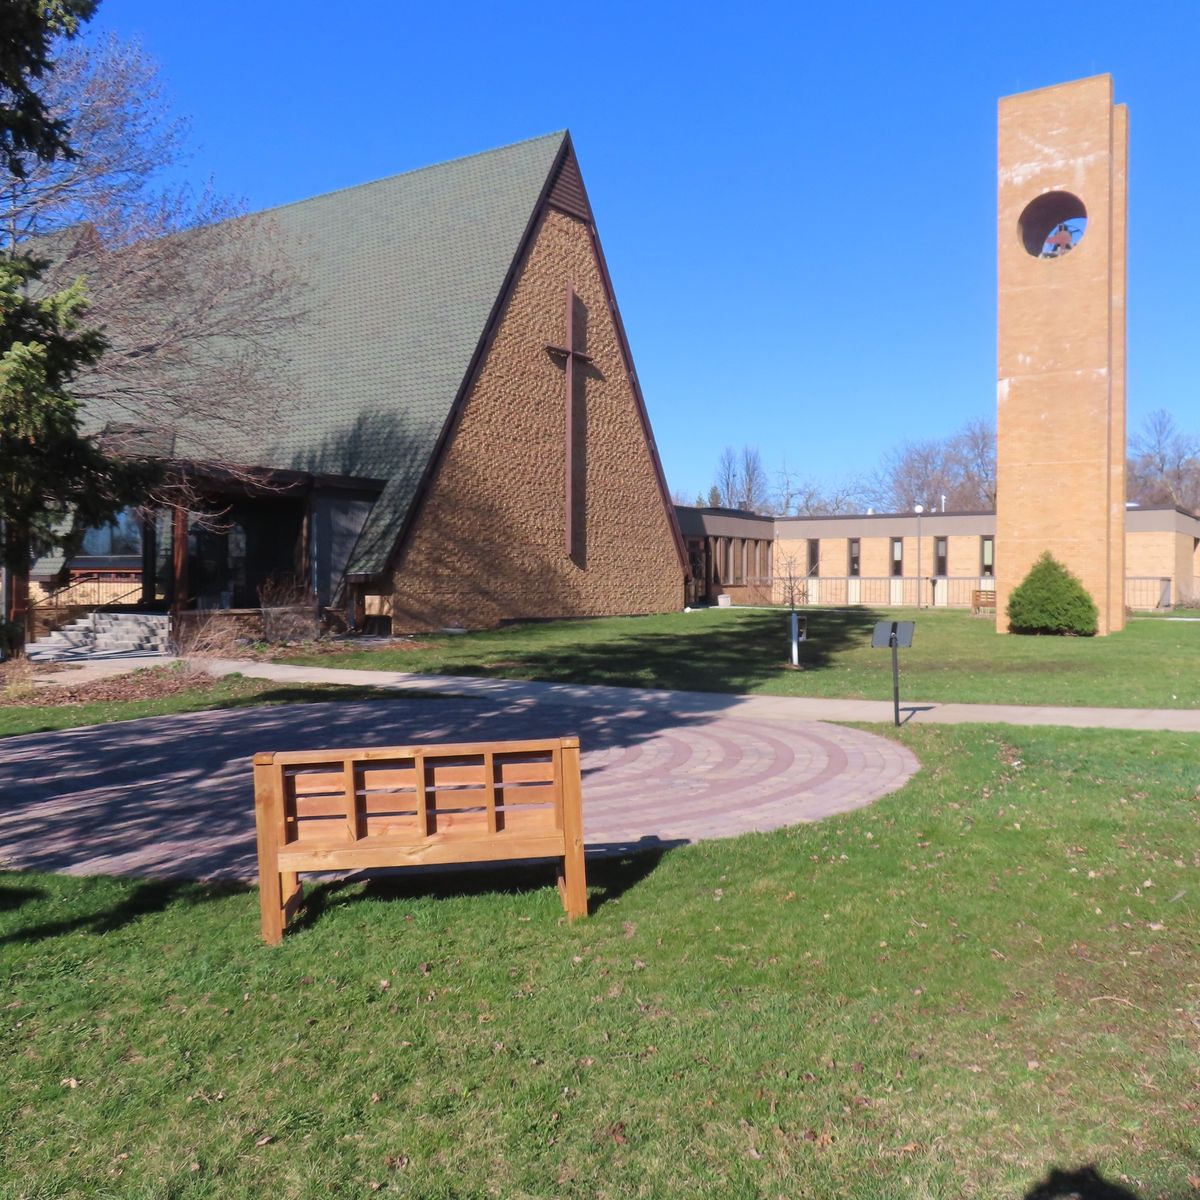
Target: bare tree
[(754, 486), (1164, 464), (188, 291), (728, 480), (792, 578), (741, 480), (961, 468), (975, 449), (799, 496)]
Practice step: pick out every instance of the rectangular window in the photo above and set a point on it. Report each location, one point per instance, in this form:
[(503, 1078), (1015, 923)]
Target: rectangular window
[(814, 557), (939, 556), (987, 556), (122, 537), (854, 556), (897, 556)]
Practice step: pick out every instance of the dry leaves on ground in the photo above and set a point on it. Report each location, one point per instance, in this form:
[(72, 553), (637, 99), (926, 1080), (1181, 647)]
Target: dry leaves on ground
[(152, 683)]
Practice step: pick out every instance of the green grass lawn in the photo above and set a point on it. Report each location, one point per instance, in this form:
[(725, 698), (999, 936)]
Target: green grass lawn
[(1152, 664), (987, 975)]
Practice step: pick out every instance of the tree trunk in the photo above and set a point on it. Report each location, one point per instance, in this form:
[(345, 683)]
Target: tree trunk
[(16, 554)]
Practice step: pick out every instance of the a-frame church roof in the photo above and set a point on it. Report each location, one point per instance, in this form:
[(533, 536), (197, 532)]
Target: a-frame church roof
[(403, 277)]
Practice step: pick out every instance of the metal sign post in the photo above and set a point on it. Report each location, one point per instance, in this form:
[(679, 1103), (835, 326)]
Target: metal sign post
[(799, 634), (893, 635)]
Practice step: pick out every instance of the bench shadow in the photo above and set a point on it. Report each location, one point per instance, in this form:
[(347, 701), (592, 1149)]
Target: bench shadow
[(1081, 1183), (613, 869), (144, 898), (12, 898)]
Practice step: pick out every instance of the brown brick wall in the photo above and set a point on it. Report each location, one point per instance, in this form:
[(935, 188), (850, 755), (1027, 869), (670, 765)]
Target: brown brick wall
[(489, 541)]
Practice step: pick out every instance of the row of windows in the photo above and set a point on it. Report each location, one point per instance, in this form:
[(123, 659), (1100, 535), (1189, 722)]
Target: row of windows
[(987, 556), (734, 560)]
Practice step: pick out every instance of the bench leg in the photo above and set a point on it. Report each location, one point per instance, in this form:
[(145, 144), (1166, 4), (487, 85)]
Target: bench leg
[(270, 899), (277, 891), (572, 880), (572, 887)]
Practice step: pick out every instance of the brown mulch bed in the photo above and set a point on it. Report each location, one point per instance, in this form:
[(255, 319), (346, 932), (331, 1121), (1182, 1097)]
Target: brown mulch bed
[(18, 689)]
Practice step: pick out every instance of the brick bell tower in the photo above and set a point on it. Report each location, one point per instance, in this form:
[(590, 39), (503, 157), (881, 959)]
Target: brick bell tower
[(1060, 448)]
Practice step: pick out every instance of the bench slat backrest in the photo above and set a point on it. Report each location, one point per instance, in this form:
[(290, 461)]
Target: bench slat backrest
[(413, 793)]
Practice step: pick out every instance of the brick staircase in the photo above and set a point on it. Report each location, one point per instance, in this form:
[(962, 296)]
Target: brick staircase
[(104, 635)]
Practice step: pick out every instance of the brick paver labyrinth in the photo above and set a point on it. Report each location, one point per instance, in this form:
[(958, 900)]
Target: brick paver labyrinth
[(172, 795)]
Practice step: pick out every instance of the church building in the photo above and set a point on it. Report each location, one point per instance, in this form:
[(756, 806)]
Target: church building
[(466, 442)]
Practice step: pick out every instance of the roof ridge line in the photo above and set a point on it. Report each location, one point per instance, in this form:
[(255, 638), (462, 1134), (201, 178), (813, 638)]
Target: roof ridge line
[(448, 162)]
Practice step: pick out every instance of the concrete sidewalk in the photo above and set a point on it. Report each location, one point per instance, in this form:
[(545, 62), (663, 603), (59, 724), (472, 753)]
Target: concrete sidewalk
[(778, 708)]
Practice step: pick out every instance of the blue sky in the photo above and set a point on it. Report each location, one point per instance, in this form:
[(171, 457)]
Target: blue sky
[(797, 201)]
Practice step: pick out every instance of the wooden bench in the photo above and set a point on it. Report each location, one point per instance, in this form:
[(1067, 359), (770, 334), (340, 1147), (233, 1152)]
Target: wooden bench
[(982, 600), (345, 810)]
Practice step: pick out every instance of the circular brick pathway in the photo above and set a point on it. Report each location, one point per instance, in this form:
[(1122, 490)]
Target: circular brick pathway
[(171, 796)]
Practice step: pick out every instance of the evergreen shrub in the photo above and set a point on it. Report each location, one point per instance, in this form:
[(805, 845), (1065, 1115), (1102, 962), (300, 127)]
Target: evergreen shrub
[(1052, 600)]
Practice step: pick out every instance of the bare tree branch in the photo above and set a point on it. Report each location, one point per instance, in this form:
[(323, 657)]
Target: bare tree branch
[(798, 496), (1164, 464), (961, 468), (189, 292)]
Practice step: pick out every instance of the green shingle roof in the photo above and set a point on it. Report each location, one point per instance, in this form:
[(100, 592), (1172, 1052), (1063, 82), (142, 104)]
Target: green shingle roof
[(401, 277)]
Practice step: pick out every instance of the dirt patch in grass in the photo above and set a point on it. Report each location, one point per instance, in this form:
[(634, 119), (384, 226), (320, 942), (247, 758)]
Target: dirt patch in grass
[(19, 688)]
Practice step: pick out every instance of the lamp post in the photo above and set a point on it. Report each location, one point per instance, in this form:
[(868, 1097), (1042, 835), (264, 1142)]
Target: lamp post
[(919, 509)]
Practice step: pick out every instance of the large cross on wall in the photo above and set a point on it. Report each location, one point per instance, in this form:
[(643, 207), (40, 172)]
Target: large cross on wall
[(571, 353)]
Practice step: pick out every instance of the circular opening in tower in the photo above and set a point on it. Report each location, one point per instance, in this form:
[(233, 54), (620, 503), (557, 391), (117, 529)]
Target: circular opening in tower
[(1053, 224)]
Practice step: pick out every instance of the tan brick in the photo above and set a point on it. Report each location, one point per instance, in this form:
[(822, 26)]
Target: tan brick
[(1061, 348)]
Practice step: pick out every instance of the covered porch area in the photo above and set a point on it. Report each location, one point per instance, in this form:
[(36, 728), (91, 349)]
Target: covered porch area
[(233, 545)]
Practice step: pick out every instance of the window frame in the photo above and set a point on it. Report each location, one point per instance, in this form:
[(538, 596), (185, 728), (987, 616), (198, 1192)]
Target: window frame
[(987, 542)]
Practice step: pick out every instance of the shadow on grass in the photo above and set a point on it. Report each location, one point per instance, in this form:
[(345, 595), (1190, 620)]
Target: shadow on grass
[(12, 898), (612, 870), (738, 656), (1082, 1183), (151, 896)]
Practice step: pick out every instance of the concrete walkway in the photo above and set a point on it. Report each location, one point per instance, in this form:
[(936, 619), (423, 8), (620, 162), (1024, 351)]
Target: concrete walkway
[(171, 796), (760, 708)]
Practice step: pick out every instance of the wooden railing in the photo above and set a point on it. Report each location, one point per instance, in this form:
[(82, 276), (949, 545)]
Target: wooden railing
[(345, 810)]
